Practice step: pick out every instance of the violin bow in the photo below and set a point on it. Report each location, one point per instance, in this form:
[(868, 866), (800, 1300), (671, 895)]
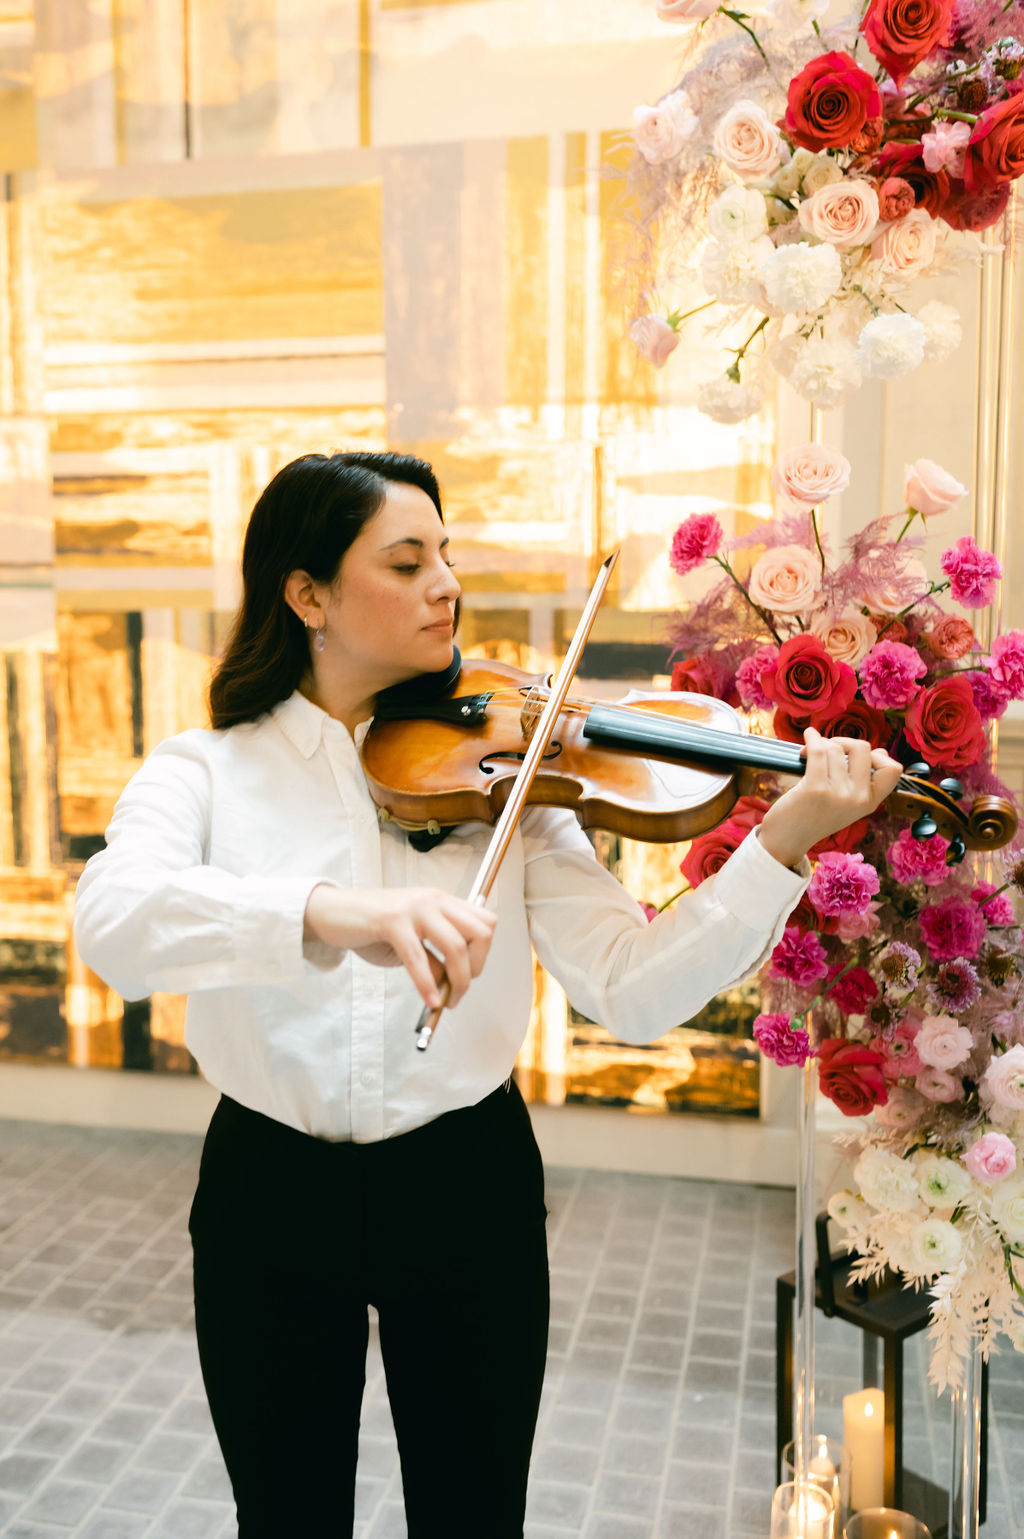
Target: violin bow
[(505, 826)]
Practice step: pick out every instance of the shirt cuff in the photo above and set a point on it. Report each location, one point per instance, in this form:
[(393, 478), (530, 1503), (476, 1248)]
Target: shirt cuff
[(756, 888), (268, 920)]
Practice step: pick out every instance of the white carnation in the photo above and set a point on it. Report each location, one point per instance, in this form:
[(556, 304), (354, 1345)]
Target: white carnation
[(937, 1246), (1008, 1208), (801, 277), (942, 330), (824, 370), (723, 400), (739, 211), (886, 1181), (941, 1182), (731, 269), (890, 345)]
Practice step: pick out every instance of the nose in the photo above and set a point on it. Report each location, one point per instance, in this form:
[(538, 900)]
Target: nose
[(446, 586)]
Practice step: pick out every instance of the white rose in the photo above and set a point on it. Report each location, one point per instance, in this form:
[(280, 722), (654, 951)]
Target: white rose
[(802, 277), (907, 246), (844, 214), (890, 345), (809, 474), (929, 488), (822, 172), (848, 638), (941, 1182), (748, 141), (731, 270), (825, 370), (655, 338), (787, 178), (942, 330), (1003, 1081), (937, 1246), (739, 211), (660, 132), (725, 401), (886, 1181), (1008, 1208)]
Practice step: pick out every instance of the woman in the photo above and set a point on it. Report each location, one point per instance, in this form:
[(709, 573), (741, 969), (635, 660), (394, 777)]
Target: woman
[(246, 867)]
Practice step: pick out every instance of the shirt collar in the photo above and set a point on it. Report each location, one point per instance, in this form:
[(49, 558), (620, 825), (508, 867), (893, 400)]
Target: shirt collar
[(304, 723)]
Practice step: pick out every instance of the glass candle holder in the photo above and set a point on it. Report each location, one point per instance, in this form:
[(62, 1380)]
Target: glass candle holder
[(885, 1523), (828, 1467), (802, 1510)]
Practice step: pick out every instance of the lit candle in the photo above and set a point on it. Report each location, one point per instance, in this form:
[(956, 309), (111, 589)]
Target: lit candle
[(864, 1436)]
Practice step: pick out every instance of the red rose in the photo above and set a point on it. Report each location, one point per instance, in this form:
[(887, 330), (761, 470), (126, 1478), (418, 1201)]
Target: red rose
[(709, 852), (975, 210), (748, 812), (850, 1074), (805, 678), (944, 724), (829, 102), (694, 674), (846, 839), (859, 720), (995, 150), (900, 33), (806, 917), (790, 728), (930, 188)]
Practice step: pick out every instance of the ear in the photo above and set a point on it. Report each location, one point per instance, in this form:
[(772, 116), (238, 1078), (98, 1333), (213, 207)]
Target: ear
[(300, 595)]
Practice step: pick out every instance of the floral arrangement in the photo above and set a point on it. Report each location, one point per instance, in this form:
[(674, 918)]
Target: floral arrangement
[(810, 174), (900, 973)]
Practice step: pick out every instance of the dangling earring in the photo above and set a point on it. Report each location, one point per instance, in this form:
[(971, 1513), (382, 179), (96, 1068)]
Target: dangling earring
[(318, 640)]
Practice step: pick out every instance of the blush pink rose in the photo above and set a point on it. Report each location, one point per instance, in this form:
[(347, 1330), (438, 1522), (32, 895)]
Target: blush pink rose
[(660, 132), (786, 579), (889, 675), (807, 475), (1003, 1081), (848, 637), (942, 1043), (992, 1158), (843, 213), (972, 572), (930, 489), (907, 246), (655, 339), (749, 143)]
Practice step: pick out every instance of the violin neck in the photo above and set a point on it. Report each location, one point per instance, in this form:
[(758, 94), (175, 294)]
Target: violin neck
[(666, 737)]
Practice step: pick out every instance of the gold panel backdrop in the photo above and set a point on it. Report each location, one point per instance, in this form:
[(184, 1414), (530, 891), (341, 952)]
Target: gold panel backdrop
[(236, 231)]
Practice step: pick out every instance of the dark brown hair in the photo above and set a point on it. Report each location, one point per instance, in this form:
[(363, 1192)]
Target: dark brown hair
[(306, 518)]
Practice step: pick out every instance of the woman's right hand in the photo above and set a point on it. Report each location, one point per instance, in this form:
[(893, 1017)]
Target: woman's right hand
[(427, 931)]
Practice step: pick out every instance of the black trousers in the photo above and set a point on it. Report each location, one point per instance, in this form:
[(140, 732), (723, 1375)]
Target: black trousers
[(442, 1231)]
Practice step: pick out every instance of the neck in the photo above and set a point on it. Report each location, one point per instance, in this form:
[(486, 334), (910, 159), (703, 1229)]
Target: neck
[(346, 701)]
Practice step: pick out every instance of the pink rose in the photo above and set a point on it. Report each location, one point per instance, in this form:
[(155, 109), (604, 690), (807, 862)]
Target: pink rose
[(992, 1158), (697, 539), (889, 675), (951, 929), (887, 593), (944, 147), (972, 573), (908, 245), (942, 1043), (786, 579), (686, 10), (748, 141), (807, 475), (937, 1085), (930, 489), (655, 339), (660, 132), (799, 956), (848, 638), (842, 884), (1006, 663), (910, 859), (843, 213), (748, 678), (1002, 1083)]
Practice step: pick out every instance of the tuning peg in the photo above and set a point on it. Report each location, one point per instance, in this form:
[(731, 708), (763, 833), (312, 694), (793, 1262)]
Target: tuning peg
[(920, 769), (952, 787), (957, 850), (924, 826)]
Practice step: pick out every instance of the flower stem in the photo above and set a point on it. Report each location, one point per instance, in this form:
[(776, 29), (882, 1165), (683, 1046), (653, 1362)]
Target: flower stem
[(911, 515), (755, 607), (993, 895), (817, 537), (675, 320), (663, 906), (961, 117), (1008, 1258), (737, 17)]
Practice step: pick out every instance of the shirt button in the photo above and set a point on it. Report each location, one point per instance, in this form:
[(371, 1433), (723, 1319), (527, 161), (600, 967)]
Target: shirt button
[(367, 1079)]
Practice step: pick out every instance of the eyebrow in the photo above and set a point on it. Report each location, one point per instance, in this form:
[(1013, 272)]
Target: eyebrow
[(420, 544)]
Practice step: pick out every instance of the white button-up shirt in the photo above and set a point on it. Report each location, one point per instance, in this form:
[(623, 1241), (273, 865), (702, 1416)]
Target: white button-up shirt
[(214, 847)]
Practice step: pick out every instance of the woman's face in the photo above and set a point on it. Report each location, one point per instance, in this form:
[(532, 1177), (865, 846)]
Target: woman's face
[(390, 610)]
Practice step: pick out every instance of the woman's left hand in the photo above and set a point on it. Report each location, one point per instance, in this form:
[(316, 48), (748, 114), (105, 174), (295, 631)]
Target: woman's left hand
[(845, 779)]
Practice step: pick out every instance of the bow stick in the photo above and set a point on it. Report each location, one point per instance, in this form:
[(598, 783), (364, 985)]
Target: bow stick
[(505, 826)]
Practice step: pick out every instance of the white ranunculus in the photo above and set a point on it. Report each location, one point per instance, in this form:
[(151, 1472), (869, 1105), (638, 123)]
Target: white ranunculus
[(723, 400), (800, 278), (845, 1208), (1003, 1081), (825, 370), (941, 1182), (1008, 1208), (886, 1181), (731, 269), (660, 132), (937, 1246), (942, 330), (739, 212), (891, 345)]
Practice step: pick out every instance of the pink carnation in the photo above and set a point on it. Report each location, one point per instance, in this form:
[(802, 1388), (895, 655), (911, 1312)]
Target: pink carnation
[(942, 1043), (851, 927), (697, 538), (992, 1158), (799, 956), (842, 884), (951, 929), (782, 1043), (937, 1085), (990, 697), (997, 910), (889, 675), (972, 573), (910, 858), (854, 991), (1006, 663), (899, 1054), (748, 678)]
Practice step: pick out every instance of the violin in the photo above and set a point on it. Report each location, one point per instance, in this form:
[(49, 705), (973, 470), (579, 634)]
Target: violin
[(656, 767)]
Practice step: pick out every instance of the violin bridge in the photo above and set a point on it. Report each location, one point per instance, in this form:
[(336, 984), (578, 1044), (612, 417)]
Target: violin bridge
[(530, 715)]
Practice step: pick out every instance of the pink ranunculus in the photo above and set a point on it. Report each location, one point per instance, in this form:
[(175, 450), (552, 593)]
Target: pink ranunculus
[(851, 927), (854, 991), (655, 339), (972, 573), (1006, 663), (951, 929), (1002, 1083), (992, 1158), (942, 1043), (843, 884), (786, 578), (899, 1054), (996, 910), (904, 1108), (912, 859), (929, 489), (780, 1041), (697, 539), (943, 147), (990, 698), (889, 675), (800, 957), (809, 474), (938, 1085), (748, 678)]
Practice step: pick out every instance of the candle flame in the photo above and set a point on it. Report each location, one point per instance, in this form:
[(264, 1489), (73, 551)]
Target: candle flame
[(869, 1410)]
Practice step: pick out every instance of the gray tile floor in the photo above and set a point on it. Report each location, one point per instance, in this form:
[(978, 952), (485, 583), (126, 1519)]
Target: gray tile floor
[(658, 1415)]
